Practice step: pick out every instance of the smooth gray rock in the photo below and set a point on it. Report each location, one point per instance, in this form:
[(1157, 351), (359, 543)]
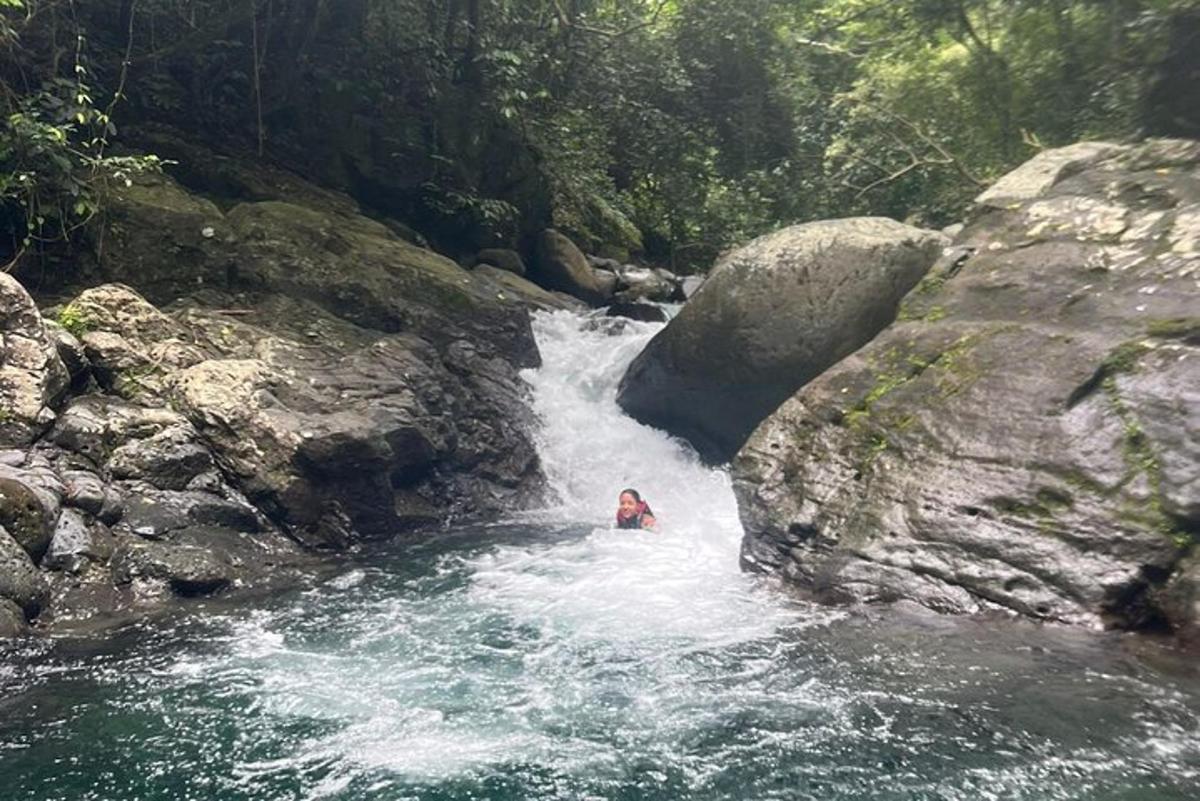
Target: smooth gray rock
[(606, 281), (1024, 436), (1038, 175), (689, 285), (771, 317), (510, 285), (559, 265), (507, 260), (644, 283)]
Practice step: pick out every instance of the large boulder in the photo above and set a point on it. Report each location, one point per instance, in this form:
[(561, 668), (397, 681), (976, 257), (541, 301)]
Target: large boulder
[(29, 507), (642, 283), (558, 264), (280, 374), (129, 344), (771, 317), (32, 376), (168, 243), (160, 238), (331, 428), (1025, 435), (358, 270)]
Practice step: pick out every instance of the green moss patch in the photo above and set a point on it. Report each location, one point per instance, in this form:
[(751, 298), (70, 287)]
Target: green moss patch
[(1141, 460), (75, 320), (1184, 328)]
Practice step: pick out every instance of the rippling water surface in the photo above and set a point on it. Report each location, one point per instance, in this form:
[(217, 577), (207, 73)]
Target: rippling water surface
[(550, 657)]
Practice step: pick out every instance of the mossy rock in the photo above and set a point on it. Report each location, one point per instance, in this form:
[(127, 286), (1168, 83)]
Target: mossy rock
[(1021, 435), (26, 515)]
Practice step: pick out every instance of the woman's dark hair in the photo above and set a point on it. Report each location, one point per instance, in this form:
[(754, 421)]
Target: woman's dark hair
[(632, 492)]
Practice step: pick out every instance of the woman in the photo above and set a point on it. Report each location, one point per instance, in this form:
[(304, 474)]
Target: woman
[(632, 511)]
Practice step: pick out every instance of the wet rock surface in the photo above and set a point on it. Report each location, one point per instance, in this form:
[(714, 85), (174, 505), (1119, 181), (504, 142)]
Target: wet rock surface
[(771, 317), (1024, 436)]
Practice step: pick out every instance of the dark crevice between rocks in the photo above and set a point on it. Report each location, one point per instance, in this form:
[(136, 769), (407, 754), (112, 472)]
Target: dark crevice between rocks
[(1040, 611), (1134, 607), (1121, 359)]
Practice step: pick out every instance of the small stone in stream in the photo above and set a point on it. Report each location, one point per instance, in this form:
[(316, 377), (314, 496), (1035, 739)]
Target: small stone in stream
[(75, 543), (83, 490), (610, 326), (187, 570), (12, 620), (642, 312)]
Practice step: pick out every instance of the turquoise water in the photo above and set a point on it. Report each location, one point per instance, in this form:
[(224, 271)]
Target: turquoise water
[(432, 672), (551, 657)]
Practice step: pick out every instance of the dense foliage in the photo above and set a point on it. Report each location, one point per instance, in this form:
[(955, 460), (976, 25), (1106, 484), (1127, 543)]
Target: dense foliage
[(673, 127)]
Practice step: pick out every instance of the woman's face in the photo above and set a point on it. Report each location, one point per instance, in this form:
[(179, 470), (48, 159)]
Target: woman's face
[(627, 504)]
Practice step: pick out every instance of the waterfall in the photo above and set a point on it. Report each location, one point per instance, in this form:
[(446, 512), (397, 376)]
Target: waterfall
[(681, 580)]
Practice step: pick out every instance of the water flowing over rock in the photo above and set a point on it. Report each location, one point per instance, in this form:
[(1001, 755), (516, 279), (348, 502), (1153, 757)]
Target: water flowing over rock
[(1025, 435), (771, 317)]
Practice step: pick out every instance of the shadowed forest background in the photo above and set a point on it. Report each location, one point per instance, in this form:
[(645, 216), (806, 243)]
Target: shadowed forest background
[(666, 129)]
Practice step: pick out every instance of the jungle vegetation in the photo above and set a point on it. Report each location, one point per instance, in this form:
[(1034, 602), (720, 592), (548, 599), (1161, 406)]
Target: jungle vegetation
[(668, 128)]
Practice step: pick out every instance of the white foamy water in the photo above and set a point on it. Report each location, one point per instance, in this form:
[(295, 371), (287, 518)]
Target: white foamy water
[(548, 644), (682, 580)]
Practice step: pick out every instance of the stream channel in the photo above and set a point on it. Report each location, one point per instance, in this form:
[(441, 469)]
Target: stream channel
[(548, 656)]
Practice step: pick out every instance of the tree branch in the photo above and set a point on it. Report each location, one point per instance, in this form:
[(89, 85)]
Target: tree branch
[(565, 20), (947, 157)]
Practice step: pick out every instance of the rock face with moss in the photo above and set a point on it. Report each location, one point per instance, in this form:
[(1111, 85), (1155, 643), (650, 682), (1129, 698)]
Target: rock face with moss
[(1025, 435), (264, 382), (770, 318)]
